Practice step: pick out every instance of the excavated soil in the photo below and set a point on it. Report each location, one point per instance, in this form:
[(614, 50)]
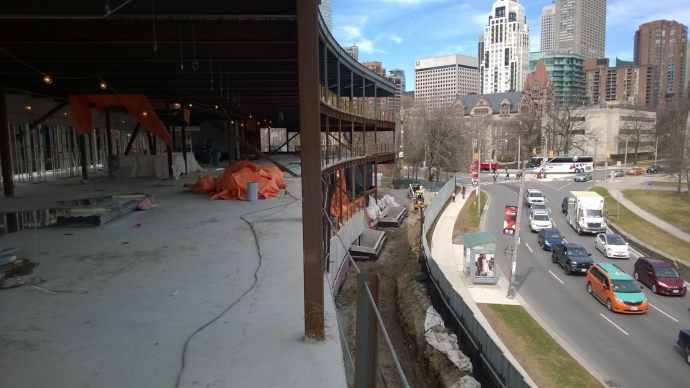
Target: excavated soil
[(402, 303)]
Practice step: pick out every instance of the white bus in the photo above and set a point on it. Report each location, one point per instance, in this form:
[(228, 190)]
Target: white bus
[(562, 164)]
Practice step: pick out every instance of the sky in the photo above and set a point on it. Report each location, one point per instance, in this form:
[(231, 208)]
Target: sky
[(397, 32)]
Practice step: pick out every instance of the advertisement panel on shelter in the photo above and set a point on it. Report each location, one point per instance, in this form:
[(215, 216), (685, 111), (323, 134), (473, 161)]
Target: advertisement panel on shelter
[(484, 265), (509, 220)]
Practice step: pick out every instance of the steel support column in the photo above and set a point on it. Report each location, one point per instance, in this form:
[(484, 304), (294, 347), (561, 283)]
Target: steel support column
[(5, 153), (184, 145), (108, 133), (367, 329), (128, 149), (328, 140), (169, 148), (312, 201), (82, 155)]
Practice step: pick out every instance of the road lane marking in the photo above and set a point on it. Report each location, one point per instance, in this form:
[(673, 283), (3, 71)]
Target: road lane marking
[(658, 309), (618, 327), (554, 275), (530, 249), (566, 185)]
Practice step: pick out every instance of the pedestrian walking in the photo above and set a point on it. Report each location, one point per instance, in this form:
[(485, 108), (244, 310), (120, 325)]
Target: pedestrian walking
[(453, 196), (495, 177), (462, 191), (507, 174)]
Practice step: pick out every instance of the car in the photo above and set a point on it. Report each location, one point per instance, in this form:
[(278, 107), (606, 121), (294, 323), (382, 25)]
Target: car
[(614, 288), (659, 276), (684, 343), (583, 177), (539, 206), (612, 246), (653, 169), (618, 173), (539, 221), (534, 196), (635, 171), (565, 203), (574, 258), (547, 237)]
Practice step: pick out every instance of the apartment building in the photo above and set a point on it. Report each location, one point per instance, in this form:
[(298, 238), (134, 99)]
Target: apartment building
[(625, 84), (663, 43), (376, 67), (580, 27), (505, 62), (547, 41), (440, 80)]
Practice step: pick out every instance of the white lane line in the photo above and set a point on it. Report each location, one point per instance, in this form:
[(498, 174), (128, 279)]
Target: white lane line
[(618, 327), (554, 275), (566, 185), (530, 249), (658, 309)]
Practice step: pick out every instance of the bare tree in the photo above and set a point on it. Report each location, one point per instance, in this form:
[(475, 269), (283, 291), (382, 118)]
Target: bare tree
[(562, 123), (638, 130), (529, 127), (672, 118)]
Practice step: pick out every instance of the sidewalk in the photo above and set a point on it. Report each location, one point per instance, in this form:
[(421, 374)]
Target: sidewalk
[(448, 256), (639, 183)]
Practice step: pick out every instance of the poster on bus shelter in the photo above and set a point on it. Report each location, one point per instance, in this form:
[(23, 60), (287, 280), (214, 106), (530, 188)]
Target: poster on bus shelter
[(509, 220), (484, 265)]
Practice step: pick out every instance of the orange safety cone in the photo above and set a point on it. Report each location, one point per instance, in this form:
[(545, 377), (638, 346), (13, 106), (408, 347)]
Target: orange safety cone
[(539, 175)]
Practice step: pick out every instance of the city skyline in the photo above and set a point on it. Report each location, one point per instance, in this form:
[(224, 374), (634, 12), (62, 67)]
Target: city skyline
[(398, 32)]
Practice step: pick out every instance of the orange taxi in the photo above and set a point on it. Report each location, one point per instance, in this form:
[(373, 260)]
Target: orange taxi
[(614, 288), (635, 171)]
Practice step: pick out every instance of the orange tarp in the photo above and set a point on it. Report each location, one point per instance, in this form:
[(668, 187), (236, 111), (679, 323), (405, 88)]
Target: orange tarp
[(232, 183), (136, 105)]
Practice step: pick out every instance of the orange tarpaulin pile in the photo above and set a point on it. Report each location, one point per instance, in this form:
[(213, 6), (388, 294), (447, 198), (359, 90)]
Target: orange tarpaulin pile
[(340, 202), (232, 183)]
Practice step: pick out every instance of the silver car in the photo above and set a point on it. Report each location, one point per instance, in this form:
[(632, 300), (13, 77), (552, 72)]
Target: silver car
[(583, 177)]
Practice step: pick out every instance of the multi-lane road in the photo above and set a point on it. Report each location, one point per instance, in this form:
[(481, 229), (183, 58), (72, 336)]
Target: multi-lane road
[(627, 350)]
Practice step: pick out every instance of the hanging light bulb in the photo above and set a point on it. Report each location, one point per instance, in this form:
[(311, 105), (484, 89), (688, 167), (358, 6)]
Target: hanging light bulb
[(27, 107), (103, 85), (47, 79), (65, 113), (145, 113), (190, 105), (216, 107)]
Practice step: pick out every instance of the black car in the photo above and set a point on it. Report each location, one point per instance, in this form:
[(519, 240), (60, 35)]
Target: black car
[(653, 169), (583, 177), (574, 258)]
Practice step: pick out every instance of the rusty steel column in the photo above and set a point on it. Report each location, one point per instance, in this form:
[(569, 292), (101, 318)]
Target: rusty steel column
[(184, 145), (367, 329), (5, 156), (312, 201), (328, 141)]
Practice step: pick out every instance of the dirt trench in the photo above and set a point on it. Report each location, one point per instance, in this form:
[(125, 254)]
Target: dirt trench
[(402, 303)]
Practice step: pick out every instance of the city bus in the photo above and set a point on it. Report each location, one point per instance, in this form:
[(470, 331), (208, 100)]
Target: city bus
[(562, 164)]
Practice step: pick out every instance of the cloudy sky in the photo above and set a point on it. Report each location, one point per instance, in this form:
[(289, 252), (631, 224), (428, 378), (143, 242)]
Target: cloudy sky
[(396, 32)]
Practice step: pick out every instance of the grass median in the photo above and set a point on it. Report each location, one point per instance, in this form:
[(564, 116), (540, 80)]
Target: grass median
[(546, 362), (642, 229), (468, 221), (668, 205)]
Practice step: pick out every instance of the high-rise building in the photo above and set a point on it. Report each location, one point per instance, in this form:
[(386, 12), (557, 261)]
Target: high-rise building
[(353, 51), (663, 43), (624, 84), (505, 62), (439, 81), (396, 76), (580, 27), (566, 72), (548, 25), (480, 55), (327, 13), (376, 67)]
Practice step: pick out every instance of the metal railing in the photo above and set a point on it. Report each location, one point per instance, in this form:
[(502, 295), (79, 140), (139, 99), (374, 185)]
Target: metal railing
[(338, 153), (356, 107)]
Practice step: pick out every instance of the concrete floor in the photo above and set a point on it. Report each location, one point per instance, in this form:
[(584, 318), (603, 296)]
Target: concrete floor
[(203, 294)]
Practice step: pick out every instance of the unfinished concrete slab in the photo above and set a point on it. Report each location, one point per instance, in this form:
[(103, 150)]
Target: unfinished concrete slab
[(392, 217), (368, 245), (203, 293)]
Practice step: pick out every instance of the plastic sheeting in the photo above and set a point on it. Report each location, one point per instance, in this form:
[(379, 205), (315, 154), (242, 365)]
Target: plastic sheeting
[(232, 183), (154, 166), (444, 341)]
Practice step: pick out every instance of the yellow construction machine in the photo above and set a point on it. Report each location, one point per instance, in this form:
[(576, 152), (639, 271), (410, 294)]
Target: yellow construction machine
[(418, 202)]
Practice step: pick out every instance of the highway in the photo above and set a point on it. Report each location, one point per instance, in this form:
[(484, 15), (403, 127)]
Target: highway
[(627, 350)]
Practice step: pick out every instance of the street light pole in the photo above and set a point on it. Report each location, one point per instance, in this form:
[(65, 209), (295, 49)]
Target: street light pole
[(479, 176), (516, 241)]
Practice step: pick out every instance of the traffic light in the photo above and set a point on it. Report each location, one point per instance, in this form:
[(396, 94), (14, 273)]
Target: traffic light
[(534, 151), (550, 153), (541, 162), (608, 154)]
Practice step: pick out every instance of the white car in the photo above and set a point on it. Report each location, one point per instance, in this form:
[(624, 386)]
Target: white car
[(539, 221), (612, 246)]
